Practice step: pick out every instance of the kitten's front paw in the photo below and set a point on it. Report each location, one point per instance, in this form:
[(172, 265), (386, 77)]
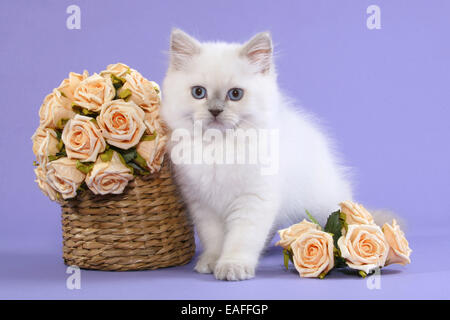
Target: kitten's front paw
[(206, 263), (234, 270)]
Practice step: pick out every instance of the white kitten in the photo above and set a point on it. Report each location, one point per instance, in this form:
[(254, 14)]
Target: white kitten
[(234, 207)]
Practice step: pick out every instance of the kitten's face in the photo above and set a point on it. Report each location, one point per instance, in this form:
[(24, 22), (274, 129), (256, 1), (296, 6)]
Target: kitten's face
[(222, 85)]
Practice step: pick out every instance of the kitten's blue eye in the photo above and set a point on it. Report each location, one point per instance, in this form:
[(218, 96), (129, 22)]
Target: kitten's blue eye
[(198, 92), (235, 94)]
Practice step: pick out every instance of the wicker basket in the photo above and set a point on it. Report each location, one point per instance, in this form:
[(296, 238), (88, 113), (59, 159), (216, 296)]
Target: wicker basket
[(145, 227)]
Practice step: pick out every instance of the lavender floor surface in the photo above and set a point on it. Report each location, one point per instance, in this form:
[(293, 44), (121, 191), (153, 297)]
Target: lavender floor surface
[(27, 272)]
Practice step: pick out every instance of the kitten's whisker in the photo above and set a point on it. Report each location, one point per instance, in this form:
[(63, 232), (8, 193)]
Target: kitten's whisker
[(251, 124)]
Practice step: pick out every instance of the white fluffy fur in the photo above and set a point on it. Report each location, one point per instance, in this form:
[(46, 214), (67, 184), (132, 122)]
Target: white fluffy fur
[(236, 209)]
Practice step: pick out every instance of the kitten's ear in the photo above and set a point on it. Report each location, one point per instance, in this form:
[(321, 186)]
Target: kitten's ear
[(259, 51), (182, 48)]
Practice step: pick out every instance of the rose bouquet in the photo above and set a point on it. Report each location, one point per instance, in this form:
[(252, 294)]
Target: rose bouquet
[(350, 239), (97, 132), (100, 153)]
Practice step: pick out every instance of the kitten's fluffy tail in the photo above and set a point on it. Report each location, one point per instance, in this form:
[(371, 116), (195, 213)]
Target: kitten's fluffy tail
[(382, 216)]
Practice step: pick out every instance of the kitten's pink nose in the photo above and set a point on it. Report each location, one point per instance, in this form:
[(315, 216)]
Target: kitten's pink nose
[(215, 112)]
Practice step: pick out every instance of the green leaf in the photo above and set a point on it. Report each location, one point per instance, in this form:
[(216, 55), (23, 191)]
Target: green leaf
[(53, 158), (129, 155), (117, 81), (362, 274), (83, 111), (107, 155), (312, 218), (129, 166), (61, 123), (343, 219), (62, 153), (121, 158), (137, 169), (339, 262), (94, 121), (149, 137), (334, 226), (85, 167), (82, 188), (58, 134), (76, 108), (139, 160), (124, 94), (60, 145), (35, 163), (286, 258), (87, 112), (322, 275)]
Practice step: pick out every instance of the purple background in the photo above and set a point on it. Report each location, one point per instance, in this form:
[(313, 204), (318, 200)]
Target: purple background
[(383, 95)]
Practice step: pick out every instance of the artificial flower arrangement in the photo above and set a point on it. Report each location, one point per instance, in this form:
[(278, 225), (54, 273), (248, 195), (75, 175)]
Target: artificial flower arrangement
[(97, 132), (350, 239), (99, 151)]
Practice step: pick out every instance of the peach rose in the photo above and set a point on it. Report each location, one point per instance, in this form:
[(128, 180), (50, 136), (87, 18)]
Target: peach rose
[(355, 213), (313, 253), (64, 177), (93, 92), (54, 110), (144, 93), (364, 247), (45, 143), (289, 235), (153, 152), (122, 123), (117, 69), (154, 123), (83, 139), (109, 177), (68, 86), (399, 251), (41, 180)]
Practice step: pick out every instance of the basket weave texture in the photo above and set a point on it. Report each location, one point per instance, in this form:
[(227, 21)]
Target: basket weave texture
[(145, 227)]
